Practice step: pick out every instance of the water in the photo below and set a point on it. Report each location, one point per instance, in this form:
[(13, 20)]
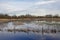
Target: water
[(29, 31)]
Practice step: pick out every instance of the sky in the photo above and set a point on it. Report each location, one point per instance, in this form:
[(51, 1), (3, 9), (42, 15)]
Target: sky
[(33, 7)]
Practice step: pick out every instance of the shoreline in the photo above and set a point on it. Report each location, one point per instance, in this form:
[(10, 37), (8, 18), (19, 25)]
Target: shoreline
[(31, 19)]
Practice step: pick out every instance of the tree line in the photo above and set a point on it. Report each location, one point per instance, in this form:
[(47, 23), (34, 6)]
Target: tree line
[(6, 16)]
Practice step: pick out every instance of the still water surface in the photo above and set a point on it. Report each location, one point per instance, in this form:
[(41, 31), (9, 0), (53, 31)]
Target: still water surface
[(30, 35)]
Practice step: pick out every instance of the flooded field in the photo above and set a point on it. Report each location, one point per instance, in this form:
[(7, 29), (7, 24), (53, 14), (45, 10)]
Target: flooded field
[(29, 30)]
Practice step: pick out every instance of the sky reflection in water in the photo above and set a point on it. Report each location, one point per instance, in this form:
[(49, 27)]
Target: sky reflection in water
[(5, 35)]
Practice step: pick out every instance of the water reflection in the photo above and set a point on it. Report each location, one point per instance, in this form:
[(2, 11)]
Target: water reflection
[(26, 27), (29, 31)]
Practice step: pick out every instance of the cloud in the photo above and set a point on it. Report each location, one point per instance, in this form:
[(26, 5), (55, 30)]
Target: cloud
[(44, 2), (34, 7), (37, 12), (13, 6), (5, 7), (41, 12)]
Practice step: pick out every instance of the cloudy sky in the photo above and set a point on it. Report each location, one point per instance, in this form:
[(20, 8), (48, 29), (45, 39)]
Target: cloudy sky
[(34, 7)]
